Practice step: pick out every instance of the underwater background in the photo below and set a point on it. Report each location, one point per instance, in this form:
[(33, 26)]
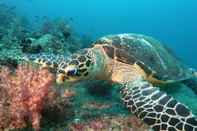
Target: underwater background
[(65, 26), (171, 21)]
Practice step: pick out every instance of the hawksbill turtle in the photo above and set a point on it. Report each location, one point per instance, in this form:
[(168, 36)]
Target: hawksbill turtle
[(139, 64)]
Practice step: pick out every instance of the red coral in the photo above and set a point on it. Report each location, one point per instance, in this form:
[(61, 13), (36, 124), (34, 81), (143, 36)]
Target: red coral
[(22, 96)]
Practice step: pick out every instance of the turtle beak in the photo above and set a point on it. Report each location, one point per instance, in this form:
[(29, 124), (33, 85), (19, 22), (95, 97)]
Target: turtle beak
[(60, 78), (63, 79)]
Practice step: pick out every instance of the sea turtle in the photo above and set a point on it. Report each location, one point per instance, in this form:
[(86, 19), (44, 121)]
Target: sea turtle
[(139, 64)]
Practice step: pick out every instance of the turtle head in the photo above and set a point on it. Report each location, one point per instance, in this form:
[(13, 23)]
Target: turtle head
[(78, 67)]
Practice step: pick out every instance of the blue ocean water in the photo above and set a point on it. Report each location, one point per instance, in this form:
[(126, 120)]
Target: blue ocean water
[(171, 21)]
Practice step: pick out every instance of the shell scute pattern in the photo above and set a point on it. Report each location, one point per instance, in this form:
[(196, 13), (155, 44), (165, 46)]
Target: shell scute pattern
[(109, 51), (117, 48), (146, 52)]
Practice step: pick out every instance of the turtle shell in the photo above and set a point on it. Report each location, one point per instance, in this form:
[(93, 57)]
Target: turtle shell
[(152, 56)]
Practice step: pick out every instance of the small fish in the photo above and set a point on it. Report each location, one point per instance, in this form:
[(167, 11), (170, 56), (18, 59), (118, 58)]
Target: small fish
[(45, 17), (37, 16), (71, 19), (13, 8)]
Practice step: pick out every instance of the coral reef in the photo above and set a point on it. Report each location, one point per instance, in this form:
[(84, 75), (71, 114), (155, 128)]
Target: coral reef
[(12, 27), (28, 98), (18, 36), (23, 95), (61, 36)]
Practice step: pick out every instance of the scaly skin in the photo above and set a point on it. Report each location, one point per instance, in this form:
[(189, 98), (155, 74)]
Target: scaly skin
[(158, 110)]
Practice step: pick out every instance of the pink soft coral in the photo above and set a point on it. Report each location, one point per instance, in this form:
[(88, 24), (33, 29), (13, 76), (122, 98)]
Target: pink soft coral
[(22, 96)]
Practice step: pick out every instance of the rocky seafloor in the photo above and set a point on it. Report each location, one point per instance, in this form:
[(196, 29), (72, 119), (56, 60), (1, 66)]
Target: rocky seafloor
[(88, 106)]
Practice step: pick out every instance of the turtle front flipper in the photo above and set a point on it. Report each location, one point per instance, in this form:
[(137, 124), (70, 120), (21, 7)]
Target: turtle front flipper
[(158, 110)]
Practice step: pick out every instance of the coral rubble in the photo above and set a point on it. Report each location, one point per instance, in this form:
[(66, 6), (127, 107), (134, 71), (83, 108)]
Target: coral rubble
[(115, 123)]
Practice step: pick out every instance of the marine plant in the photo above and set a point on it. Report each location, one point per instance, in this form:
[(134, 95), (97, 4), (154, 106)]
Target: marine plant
[(22, 96)]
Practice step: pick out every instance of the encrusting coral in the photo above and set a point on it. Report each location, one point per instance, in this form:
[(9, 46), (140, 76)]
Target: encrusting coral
[(23, 94)]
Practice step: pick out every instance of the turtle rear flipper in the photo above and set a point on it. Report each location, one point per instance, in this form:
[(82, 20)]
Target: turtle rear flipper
[(156, 108), (192, 84)]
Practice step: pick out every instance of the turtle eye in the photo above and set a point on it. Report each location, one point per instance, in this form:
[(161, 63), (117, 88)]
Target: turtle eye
[(72, 72)]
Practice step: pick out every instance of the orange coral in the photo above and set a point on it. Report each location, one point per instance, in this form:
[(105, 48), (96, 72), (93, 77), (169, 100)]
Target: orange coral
[(22, 96)]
